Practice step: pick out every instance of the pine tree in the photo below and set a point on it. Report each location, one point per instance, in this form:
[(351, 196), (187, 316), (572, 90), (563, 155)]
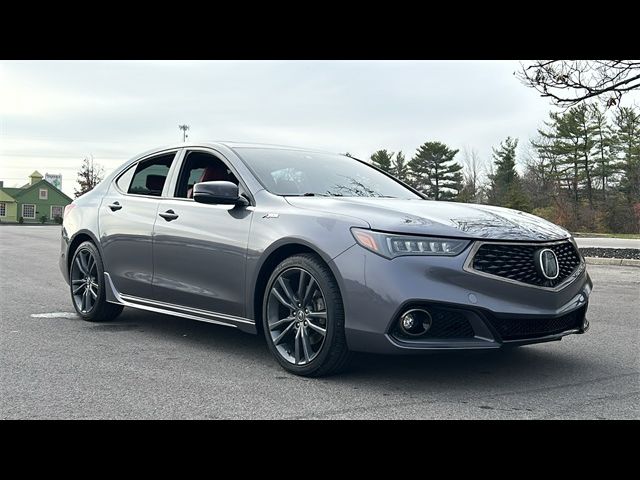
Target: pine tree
[(89, 176), (434, 171), (604, 142), (586, 135), (627, 135), (400, 168), (506, 186), (383, 160), (569, 140)]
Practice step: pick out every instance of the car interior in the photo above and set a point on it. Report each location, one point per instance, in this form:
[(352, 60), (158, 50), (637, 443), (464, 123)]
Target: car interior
[(201, 167), (149, 176)]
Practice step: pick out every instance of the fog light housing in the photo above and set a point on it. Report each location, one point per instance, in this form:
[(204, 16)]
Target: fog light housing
[(415, 322)]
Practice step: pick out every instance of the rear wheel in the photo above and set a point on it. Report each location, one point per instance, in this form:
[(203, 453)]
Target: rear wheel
[(86, 279), (303, 317)]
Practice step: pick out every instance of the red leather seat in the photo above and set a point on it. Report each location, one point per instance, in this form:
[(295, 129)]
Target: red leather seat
[(212, 173)]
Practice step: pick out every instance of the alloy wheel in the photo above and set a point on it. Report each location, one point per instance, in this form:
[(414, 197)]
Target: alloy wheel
[(297, 316), (84, 281)]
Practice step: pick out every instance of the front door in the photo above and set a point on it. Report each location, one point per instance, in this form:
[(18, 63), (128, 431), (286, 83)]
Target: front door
[(200, 250)]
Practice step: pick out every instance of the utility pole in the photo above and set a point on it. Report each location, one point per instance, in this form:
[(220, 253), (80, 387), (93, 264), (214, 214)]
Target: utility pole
[(184, 129)]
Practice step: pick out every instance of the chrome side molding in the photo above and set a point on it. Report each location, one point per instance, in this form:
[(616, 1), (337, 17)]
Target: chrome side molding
[(113, 296)]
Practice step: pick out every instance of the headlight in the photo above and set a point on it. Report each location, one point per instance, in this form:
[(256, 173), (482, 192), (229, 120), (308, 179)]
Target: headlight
[(390, 245)]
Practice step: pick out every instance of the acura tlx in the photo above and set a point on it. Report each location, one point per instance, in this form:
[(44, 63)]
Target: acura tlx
[(321, 253)]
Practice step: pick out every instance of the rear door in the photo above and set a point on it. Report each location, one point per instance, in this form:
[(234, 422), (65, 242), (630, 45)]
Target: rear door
[(200, 250), (127, 216)]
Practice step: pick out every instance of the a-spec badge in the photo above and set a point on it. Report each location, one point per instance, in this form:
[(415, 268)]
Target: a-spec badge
[(271, 215)]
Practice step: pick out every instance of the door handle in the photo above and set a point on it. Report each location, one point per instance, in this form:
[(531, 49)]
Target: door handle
[(115, 206), (169, 215)]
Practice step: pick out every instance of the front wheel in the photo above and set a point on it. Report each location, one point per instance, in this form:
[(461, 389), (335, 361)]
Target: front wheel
[(86, 279), (303, 317)]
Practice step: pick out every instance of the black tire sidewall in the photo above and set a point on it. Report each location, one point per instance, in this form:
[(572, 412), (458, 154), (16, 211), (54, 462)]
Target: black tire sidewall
[(100, 301), (327, 285)]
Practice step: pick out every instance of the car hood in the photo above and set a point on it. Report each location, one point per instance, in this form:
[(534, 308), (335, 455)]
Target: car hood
[(448, 219)]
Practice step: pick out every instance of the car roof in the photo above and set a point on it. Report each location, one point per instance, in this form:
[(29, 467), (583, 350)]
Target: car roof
[(233, 145)]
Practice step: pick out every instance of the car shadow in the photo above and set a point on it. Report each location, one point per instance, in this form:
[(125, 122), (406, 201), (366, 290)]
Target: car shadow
[(541, 364), (466, 368)]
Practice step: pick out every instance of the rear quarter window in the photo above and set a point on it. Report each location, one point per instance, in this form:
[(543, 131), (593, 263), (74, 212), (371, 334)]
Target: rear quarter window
[(124, 180)]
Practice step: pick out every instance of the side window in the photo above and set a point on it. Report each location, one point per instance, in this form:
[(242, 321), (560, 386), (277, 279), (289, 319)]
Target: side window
[(150, 175), (201, 167), (124, 180)]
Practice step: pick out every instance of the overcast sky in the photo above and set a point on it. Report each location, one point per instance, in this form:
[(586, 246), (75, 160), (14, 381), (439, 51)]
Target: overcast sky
[(53, 113)]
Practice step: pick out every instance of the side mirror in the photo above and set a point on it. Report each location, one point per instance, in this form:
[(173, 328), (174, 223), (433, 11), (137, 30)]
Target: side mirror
[(219, 192)]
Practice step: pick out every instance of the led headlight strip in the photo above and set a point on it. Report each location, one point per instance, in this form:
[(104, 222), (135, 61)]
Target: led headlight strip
[(391, 245)]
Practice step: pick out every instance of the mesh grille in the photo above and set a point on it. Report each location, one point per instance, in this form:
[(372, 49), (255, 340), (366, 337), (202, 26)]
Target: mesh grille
[(446, 323), (521, 328), (518, 262)]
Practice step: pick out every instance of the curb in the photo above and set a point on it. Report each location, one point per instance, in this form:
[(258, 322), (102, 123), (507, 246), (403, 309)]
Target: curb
[(625, 262), (15, 224)]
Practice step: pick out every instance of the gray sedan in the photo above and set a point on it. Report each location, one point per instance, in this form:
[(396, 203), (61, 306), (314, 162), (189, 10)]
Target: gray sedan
[(321, 253)]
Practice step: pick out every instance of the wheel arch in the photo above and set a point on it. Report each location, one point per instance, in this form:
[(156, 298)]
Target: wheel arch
[(270, 260), (78, 238)]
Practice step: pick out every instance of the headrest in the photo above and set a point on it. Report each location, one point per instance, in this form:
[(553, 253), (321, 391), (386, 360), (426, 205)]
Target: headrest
[(155, 183)]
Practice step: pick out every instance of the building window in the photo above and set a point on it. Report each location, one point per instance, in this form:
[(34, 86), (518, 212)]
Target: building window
[(28, 210), (56, 211), (44, 194), (3, 209)]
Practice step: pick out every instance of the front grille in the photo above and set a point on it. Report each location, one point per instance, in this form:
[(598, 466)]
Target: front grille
[(446, 323), (518, 262), (515, 328)]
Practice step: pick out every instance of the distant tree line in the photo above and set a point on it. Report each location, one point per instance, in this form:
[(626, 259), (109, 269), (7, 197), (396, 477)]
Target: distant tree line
[(582, 170)]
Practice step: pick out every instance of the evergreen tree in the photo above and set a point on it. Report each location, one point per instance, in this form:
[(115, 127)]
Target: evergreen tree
[(506, 187), (383, 160), (582, 150), (541, 177), (603, 144), (570, 139), (89, 176), (434, 171), (400, 168), (586, 135), (627, 135)]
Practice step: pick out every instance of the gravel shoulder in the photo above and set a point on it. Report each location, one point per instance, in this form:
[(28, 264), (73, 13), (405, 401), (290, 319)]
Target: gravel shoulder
[(627, 253)]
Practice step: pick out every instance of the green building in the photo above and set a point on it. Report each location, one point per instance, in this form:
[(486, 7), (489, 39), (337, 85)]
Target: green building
[(32, 201)]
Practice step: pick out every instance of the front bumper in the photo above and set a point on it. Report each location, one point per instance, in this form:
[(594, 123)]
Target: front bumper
[(62, 258), (377, 290)]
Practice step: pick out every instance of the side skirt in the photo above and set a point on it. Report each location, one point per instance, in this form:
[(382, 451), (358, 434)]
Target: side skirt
[(113, 296)]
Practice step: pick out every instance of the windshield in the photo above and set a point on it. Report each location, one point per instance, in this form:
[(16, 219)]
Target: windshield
[(295, 172)]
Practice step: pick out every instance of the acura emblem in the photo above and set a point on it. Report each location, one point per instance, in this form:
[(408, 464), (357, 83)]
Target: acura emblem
[(547, 264)]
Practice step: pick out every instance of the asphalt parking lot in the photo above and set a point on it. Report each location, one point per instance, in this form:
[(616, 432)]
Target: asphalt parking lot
[(145, 365)]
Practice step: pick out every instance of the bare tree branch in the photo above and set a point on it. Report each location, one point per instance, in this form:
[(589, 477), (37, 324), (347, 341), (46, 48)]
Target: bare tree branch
[(570, 82)]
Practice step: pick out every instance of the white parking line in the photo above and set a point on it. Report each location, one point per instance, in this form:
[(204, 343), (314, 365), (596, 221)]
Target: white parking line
[(55, 315)]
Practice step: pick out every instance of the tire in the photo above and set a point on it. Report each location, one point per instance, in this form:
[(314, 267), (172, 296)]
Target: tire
[(302, 349), (89, 297)]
